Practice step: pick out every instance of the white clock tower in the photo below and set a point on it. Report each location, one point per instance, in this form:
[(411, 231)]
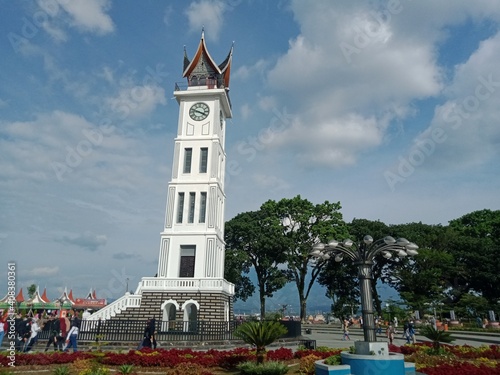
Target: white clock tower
[(192, 243), (189, 285)]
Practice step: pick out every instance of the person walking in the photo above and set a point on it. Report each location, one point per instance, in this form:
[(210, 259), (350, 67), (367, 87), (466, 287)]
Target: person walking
[(71, 339), (148, 335), (152, 329), (53, 328), (23, 329), (3, 326), (33, 337), (345, 327), (411, 331), (390, 333), (378, 325)]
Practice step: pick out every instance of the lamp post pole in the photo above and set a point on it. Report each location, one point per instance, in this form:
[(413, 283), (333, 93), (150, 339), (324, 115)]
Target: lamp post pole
[(362, 255)]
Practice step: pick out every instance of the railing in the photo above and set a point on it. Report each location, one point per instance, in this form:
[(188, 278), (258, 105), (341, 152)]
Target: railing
[(167, 331), (185, 284), (121, 304), (208, 83)]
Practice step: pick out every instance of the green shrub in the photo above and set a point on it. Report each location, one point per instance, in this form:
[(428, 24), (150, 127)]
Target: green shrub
[(61, 370), (267, 368), (333, 360), (260, 334), (437, 337), (95, 369), (125, 369)]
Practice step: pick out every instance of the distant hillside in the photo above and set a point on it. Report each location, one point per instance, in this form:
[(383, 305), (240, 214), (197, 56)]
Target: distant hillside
[(316, 303)]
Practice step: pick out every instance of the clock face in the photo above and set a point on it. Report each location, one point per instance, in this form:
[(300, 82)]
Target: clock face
[(199, 111)]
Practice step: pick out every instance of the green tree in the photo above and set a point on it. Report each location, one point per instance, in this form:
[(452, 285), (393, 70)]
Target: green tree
[(304, 224), (475, 246), (342, 286), (32, 291), (260, 334), (423, 279), (256, 239), (236, 268), (472, 306), (426, 277)]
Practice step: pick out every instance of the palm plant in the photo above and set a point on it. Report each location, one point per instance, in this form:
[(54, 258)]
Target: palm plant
[(260, 334), (436, 336)]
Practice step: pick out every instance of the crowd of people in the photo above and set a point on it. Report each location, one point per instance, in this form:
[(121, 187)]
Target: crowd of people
[(63, 331), (390, 332)]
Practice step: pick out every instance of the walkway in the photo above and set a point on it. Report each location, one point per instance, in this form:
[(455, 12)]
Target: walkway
[(331, 336)]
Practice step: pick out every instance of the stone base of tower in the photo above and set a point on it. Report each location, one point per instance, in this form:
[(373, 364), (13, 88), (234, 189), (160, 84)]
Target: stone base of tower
[(170, 300), (211, 306)]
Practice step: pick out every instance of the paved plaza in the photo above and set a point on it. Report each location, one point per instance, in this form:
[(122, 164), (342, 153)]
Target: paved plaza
[(331, 336)]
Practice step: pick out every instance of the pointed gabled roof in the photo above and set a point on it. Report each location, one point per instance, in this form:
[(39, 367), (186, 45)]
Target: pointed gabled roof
[(202, 62), (44, 296), (225, 67), (5, 299), (36, 299), (64, 299), (70, 296), (20, 297), (89, 294)]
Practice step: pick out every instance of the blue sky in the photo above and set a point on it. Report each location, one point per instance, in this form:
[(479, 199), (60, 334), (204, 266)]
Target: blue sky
[(390, 107)]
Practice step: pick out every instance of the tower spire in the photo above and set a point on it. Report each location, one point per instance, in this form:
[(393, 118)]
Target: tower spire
[(202, 69)]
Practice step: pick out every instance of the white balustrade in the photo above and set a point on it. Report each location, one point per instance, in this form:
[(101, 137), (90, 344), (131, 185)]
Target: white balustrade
[(187, 284), (121, 304)]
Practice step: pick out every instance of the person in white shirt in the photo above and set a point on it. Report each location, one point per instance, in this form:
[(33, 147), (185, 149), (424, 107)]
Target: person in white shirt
[(71, 338), (2, 330), (35, 328)]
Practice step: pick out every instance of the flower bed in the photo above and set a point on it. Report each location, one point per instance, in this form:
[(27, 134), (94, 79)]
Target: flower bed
[(455, 360)]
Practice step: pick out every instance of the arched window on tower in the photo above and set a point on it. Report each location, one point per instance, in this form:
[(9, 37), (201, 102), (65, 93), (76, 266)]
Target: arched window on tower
[(169, 315), (190, 316)]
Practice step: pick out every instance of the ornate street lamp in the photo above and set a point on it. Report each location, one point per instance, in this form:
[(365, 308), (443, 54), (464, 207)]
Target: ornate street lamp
[(362, 254)]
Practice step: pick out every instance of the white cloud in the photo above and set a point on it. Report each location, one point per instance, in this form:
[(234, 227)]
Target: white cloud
[(246, 72), (245, 111), (43, 271), (61, 146), (334, 142), (167, 15), (89, 15), (270, 182), (57, 33), (87, 240), (137, 101), (208, 14), (107, 73), (344, 99), (267, 103), (464, 131)]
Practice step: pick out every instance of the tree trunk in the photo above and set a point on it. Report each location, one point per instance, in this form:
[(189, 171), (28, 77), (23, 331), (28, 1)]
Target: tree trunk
[(261, 355), (303, 309), (262, 297)]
